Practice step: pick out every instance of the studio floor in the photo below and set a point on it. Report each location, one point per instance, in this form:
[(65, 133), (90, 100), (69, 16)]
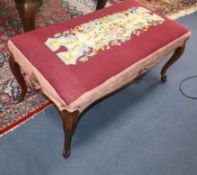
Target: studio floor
[(148, 128)]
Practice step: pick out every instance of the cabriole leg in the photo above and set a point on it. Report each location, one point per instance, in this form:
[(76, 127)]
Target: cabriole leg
[(177, 54), (70, 120), (15, 68)]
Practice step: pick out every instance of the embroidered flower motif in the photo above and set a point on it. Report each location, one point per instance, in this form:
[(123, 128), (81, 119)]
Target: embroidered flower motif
[(86, 40)]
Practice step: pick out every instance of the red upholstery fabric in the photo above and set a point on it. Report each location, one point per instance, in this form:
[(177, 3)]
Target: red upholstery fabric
[(71, 81)]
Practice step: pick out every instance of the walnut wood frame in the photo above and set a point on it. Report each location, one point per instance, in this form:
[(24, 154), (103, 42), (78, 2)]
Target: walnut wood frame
[(71, 119)]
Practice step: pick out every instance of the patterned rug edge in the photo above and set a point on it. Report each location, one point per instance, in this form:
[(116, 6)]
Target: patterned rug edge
[(183, 13), (176, 15), (30, 116)]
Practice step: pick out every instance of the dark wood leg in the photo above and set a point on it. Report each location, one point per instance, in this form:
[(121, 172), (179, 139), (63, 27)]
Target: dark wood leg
[(101, 4), (70, 121), (15, 68), (177, 54), (27, 10)]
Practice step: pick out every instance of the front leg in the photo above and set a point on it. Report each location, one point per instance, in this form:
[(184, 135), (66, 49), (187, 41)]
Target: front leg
[(15, 68), (177, 54), (70, 120)]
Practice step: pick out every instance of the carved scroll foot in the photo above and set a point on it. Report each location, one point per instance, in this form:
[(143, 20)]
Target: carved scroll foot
[(70, 121), (163, 78), (177, 54), (101, 4), (15, 68)]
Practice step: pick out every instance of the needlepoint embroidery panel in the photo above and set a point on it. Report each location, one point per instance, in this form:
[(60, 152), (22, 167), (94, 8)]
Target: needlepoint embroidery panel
[(85, 40)]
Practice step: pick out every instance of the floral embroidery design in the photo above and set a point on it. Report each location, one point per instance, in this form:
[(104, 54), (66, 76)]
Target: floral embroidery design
[(85, 40)]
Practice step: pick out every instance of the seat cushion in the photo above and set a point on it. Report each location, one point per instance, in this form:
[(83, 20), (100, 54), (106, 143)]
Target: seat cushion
[(76, 57)]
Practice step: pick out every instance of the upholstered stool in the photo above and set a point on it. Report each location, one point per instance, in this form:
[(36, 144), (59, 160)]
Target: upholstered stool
[(77, 62)]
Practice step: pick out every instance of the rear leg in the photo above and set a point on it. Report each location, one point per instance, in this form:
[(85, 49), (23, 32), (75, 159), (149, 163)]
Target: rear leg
[(177, 54), (15, 68)]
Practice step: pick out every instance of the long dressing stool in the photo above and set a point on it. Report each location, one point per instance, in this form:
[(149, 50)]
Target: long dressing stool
[(77, 62)]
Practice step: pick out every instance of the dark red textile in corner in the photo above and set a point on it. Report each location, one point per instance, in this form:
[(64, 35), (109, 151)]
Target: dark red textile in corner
[(71, 81)]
